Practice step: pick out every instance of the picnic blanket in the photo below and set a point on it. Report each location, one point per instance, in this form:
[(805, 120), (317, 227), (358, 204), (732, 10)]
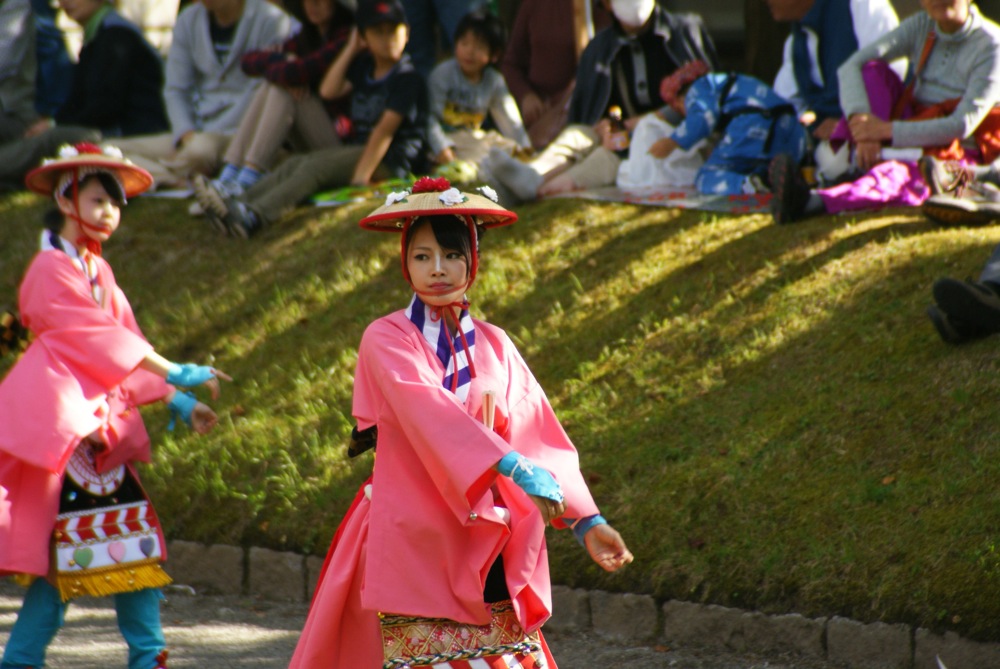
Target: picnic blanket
[(672, 196), (651, 196), (679, 197)]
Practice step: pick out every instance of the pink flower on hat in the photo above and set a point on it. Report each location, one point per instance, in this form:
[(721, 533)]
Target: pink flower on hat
[(431, 185), (87, 147)]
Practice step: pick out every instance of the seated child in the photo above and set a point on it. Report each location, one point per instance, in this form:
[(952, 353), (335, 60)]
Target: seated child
[(464, 89), (754, 124), (286, 105), (389, 118)]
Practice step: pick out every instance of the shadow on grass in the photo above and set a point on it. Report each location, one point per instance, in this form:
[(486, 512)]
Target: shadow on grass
[(827, 456), (815, 481)]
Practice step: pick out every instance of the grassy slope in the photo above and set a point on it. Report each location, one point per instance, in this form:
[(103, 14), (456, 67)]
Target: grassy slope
[(764, 412)]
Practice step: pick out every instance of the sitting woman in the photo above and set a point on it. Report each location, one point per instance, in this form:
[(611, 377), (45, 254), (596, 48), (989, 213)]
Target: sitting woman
[(946, 109), (286, 106)]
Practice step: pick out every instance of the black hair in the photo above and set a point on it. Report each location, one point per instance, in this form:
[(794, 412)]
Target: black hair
[(312, 39), (53, 220), (487, 27), (450, 233)]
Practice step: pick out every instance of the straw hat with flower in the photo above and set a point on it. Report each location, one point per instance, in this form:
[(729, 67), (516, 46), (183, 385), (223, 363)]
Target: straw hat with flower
[(436, 197), (83, 159)]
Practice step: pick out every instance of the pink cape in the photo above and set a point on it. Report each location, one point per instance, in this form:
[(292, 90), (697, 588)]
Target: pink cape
[(425, 541), (78, 376)]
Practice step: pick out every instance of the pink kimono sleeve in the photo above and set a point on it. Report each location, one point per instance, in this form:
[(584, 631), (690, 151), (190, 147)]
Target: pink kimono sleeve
[(394, 367), (534, 431), (49, 400)]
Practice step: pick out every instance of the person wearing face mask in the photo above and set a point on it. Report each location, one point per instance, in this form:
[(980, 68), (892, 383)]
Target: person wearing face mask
[(441, 560), (621, 67)]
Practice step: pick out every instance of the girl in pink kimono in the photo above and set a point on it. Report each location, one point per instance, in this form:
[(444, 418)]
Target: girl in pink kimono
[(74, 519), (441, 559)]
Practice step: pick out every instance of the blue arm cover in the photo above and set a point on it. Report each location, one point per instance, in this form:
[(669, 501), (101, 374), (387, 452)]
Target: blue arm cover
[(181, 405), (582, 526), (532, 479), (189, 375)]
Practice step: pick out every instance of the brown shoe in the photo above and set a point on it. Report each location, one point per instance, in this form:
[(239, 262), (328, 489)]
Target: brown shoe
[(961, 211), (944, 176)]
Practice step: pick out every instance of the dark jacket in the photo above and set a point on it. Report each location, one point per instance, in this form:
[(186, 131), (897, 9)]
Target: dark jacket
[(117, 84), (833, 25), (684, 39)]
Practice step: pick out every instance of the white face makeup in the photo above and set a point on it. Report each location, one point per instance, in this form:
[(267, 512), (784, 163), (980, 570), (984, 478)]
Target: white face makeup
[(98, 212), (633, 13), (439, 275)]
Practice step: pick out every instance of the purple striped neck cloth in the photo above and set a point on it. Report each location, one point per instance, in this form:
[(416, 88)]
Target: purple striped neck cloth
[(455, 353)]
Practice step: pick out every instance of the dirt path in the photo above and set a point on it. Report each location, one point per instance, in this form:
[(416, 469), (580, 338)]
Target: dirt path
[(239, 632)]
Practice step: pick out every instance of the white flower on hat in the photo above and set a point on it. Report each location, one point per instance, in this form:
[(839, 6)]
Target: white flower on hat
[(452, 196), (397, 196), (489, 192), (68, 151), (113, 151)]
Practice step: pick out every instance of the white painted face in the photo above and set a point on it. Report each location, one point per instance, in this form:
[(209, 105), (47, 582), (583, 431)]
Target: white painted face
[(99, 213), (633, 13), (439, 275)]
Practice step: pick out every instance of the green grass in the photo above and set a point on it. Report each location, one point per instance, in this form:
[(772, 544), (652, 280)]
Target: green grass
[(765, 413)]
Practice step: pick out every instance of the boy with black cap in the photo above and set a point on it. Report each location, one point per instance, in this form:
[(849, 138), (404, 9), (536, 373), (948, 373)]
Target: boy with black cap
[(388, 111)]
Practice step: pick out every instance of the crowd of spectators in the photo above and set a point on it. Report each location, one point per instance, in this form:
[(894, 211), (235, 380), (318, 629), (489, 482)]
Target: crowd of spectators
[(257, 105)]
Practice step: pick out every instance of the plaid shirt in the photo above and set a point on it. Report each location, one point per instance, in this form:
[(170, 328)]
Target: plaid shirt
[(306, 68)]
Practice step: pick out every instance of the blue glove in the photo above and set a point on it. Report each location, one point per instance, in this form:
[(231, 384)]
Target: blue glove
[(532, 479), (582, 526), (189, 375), (181, 405)]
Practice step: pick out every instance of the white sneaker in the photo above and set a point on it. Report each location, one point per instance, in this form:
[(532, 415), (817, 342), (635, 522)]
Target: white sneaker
[(195, 209)]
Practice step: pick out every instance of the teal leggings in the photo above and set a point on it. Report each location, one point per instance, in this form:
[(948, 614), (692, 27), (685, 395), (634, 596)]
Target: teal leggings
[(43, 613)]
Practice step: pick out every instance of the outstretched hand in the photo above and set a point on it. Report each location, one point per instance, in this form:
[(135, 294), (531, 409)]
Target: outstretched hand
[(607, 548), (190, 375), (213, 384)]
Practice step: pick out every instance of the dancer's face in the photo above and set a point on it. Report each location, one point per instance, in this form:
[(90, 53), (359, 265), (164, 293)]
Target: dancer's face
[(98, 210), (439, 275)]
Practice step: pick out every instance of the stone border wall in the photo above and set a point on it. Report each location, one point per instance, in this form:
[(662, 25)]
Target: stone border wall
[(626, 618)]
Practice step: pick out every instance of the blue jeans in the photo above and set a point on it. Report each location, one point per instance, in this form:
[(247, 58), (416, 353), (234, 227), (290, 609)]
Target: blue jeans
[(43, 614)]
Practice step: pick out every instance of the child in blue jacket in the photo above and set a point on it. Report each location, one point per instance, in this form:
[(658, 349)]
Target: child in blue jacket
[(754, 124)]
